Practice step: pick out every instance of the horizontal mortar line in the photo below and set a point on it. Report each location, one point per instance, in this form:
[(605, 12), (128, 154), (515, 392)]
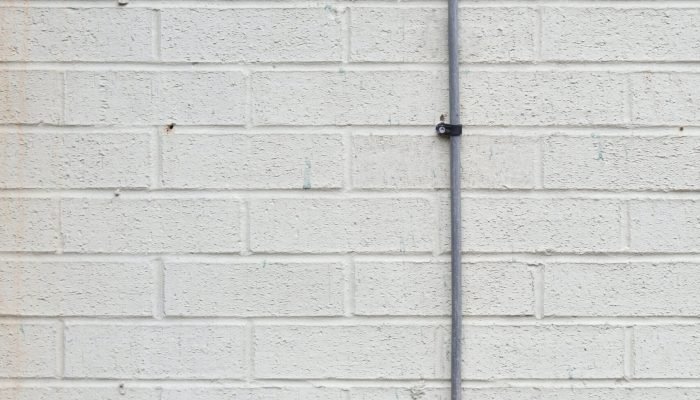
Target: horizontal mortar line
[(258, 383), (360, 130), (341, 258), (359, 66), (537, 256), (126, 194), (435, 321), (15, 128), (349, 3)]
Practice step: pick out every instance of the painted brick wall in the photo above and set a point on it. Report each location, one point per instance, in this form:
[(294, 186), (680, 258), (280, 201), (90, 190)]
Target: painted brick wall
[(287, 237)]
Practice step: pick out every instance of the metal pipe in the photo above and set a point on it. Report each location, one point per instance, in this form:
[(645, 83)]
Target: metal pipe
[(455, 205)]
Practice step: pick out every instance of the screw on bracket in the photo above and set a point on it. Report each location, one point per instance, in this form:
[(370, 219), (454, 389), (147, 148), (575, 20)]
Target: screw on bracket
[(444, 129)]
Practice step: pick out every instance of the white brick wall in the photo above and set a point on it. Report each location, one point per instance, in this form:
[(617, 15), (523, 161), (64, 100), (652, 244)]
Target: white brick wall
[(246, 200)]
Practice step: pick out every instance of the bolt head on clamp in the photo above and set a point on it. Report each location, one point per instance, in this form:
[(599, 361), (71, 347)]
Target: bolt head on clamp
[(444, 129)]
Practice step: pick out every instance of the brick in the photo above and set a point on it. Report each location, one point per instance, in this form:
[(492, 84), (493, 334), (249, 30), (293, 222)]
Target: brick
[(28, 351), (341, 225), (424, 289), (543, 98), (73, 393), (423, 162), (613, 163), (349, 98), (665, 225), (636, 289), (145, 98), (264, 289), (46, 289), (620, 34), (253, 161), (665, 99), (75, 161), (525, 393), (282, 393), (347, 352), (536, 225), (540, 352), (28, 225), (493, 34), (77, 34), (150, 226), (666, 352), (31, 97), (251, 35), (155, 352)]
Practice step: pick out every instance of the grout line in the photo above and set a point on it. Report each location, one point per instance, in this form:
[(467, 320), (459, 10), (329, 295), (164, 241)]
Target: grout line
[(465, 4), (623, 67), (629, 354), (361, 320), (388, 193), (533, 131), (428, 257)]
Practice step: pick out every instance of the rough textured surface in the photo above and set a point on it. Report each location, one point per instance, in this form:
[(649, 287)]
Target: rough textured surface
[(367, 352), (74, 34), (423, 162), (150, 226), (155, 98), (155, 352), (561, 352), (349, 98), (255, 394), (269, 289), (665, 99), (542, 98), (31, 97), (667, 351), (253, 161), (606, 34), (424, 289), (616, 163), (494, 34), (210, 199), (98, 289), (329, 225), (252, 35), (75, 161), (665, 226), (622, 289), (29, 225), (537, 225), (73, 393), (28, 350)]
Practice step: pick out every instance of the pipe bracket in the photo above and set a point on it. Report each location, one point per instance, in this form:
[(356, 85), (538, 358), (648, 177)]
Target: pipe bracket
[(444, 129)]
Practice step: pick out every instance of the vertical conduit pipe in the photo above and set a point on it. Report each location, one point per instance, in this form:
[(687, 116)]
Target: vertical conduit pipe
[(455, 203)]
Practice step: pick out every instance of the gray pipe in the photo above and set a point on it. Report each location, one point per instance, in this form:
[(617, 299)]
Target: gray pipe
[(456, 205)]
